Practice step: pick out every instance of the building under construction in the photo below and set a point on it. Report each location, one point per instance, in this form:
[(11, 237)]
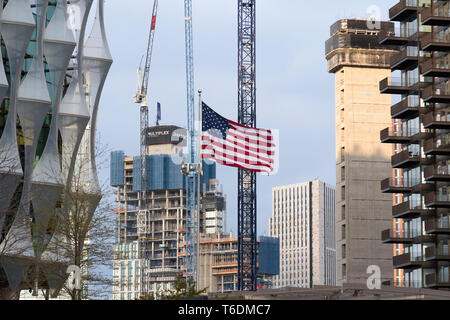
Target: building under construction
[(146, 254), (218, 262)]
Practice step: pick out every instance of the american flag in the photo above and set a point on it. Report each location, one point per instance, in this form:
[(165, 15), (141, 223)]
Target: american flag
[(232, 144)]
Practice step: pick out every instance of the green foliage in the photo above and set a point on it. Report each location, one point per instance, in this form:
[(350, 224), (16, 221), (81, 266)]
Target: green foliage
[(181, 289)]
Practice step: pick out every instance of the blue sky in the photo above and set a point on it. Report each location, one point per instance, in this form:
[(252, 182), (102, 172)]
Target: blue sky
[(295, 94)]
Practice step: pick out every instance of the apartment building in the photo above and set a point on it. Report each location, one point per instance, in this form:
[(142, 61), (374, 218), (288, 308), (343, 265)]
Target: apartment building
[(303, 218), (420, 134)]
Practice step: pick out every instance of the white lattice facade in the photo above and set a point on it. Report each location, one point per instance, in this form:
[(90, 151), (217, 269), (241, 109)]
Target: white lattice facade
[(51, 80)]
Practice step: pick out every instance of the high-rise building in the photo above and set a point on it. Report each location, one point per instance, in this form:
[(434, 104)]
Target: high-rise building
[(303, 218), (52, 72), (148, 245), (420, 135), (359, 62), (213, 208)]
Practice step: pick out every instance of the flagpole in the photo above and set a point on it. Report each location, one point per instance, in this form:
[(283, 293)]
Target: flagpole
[(199, 173), (199, 125)]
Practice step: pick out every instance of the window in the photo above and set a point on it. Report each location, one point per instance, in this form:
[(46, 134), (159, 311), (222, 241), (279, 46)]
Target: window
[(444, 274)]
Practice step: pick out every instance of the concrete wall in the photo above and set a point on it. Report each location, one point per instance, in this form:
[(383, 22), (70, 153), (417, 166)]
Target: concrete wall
[(361, 163)]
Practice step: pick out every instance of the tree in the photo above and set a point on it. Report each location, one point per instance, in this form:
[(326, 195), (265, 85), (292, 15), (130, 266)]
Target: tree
[(181, 289), (11, 182), (82, 234)]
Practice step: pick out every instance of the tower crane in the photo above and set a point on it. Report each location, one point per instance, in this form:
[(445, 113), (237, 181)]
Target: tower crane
[(141, 97), (192, 167), (247, 209)]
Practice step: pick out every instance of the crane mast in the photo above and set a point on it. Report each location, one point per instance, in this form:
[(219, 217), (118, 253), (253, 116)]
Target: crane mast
[(247, 242), (191, 169), (141, 97)]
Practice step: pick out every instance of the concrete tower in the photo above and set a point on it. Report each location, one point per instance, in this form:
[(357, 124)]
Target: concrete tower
[(359, 62)]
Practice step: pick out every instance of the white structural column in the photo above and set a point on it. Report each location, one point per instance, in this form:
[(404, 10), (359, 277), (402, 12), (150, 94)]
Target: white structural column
[(74, 112), (4, 170), (17, 27), (3, 80), (47, 187), (33, 104), (97, 61)]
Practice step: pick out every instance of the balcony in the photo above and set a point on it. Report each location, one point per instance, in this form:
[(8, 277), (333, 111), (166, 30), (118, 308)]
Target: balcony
[(406, 261), (408, 210), (436, 16), (405, 59), (433, 93), (437, 200), (420, 187), (405, 159), (435, 42), (391, 185), (417, 137), (403, 10), (408, 108), (434, 120), (408, 284), (435, 67), (396, 38), (389, 236), (437, 173), (394, 86), (388, 135), (437, 254), (436, 146), (436, 226), (436, 282)]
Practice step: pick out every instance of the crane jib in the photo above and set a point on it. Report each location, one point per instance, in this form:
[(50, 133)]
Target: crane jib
[(153, 22)]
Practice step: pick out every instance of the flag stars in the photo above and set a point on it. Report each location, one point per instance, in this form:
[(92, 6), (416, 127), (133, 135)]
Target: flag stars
[(213, 121)]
